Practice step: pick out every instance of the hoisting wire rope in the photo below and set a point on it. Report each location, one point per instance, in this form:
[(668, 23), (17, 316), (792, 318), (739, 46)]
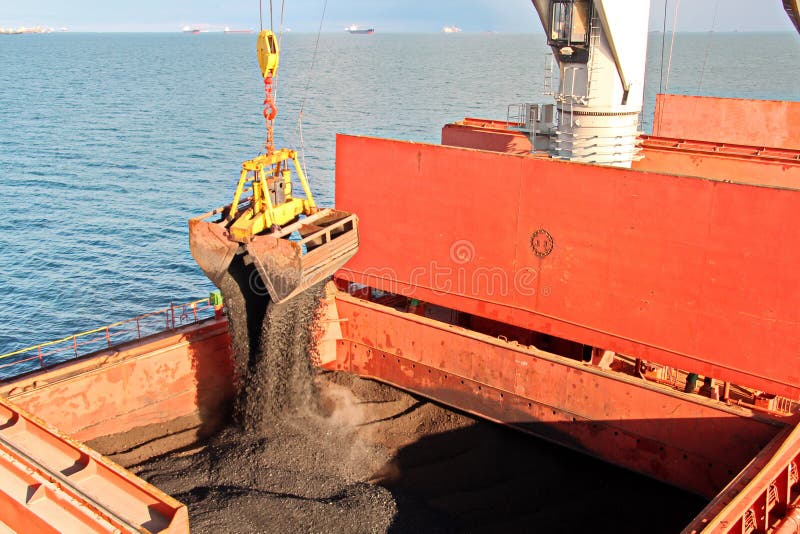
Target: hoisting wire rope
[(671, 49), (274, 89), (672, 43), (270, 109), (299, 128), (280, 30), (271, 25), (663, 43), (708, 47), (280, 41)]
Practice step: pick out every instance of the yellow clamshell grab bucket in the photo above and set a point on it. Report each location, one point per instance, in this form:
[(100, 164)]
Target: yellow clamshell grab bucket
[(290, 242)]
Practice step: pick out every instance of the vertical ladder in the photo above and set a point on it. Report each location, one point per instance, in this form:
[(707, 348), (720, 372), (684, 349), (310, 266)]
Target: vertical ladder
[(594, 42), (549, 67)]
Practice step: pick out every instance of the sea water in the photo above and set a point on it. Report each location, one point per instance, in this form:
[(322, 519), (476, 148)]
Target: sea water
[(110, 142)]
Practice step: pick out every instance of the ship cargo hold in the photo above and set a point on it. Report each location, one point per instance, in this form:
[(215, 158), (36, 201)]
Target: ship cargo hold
[(631, 297)]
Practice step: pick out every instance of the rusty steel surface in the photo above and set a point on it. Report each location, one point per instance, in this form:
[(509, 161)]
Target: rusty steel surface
[(278, 263), (329, 238), (486, 135), (790, 524), (736, 163), (51, 483), (784, 156), (151, 381), (757, 165), (748, 164), (31, 502), (691, 273), (210, 246), (763, 496), (765, 123), (681, 439), (286, 267)]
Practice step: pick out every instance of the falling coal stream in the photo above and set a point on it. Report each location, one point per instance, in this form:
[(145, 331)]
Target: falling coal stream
[(282, 465), (273, 347)]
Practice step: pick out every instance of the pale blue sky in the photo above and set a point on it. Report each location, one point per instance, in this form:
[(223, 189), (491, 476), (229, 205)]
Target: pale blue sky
[(384, 15)]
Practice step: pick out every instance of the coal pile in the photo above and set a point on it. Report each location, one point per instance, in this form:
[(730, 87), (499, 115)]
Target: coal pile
[(299, 475), (375, 459)]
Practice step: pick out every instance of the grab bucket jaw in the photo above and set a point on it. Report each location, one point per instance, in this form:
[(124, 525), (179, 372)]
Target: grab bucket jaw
[(289, 260), (211, 247)]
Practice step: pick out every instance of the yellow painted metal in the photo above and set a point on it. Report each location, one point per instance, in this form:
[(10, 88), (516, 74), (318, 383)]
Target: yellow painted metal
[(259, 214), (303, 181), (265, 216), (268, 53), (256, 214)]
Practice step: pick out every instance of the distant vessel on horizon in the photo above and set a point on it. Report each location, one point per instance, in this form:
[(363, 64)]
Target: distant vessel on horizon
[(451, 29), (355, 29), (23, 29), (230, 30)]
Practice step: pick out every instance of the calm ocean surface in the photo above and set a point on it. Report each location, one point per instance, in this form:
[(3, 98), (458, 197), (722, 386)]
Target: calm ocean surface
[(110, 142)]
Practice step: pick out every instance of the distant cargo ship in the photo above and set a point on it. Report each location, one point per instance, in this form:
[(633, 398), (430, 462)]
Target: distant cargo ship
[(229, 30), (23, 29), (451, 29), (355, 29)]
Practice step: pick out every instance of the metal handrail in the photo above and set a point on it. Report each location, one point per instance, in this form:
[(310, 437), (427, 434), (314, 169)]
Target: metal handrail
[(70, 347)]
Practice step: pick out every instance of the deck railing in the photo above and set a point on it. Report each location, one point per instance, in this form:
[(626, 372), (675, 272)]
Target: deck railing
[(50, 353)]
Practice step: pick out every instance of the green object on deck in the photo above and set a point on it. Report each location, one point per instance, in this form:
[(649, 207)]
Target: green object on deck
[(215, 298), (691, 383)]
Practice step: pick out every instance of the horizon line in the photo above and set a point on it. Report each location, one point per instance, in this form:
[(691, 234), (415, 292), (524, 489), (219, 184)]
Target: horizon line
[(517, 32)]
